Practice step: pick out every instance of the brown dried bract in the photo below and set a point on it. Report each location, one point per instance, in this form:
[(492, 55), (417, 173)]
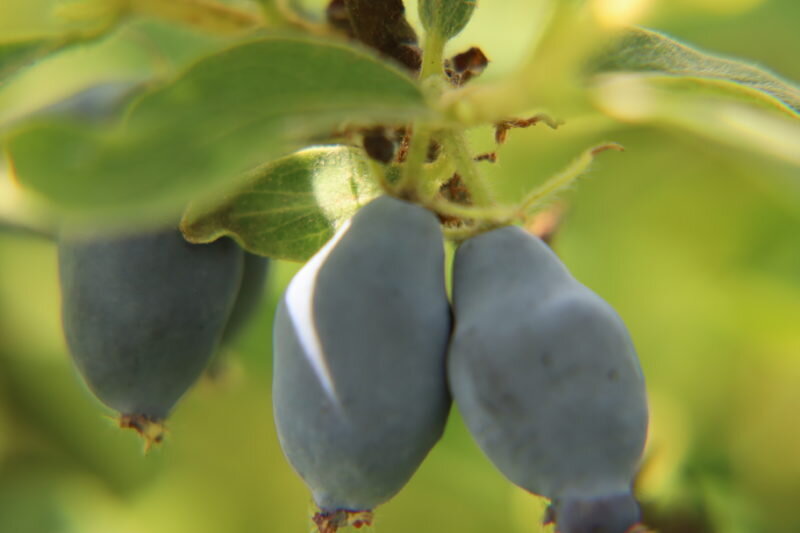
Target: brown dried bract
[(501, 128), (464, 66), (331, 521), (640, 528), (549, 515), (545, 224), (608, 146), (491, 157), (454, 190), (380, 144), (405, 143), (379, 25), (434, 149), (337, 17), (151, 430)]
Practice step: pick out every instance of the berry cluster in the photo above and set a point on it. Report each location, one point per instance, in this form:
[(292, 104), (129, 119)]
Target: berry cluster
[(368, 355), (542, 369)]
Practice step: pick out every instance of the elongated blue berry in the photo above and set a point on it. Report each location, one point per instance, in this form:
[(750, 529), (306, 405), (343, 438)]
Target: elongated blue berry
[(254, 278), (143, 314), (547, 379), (360, 339)]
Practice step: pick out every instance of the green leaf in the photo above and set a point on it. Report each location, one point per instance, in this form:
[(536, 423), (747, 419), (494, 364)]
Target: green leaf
[(196, 136), (17, 213), (446, 18), (16, 55), (98, 103), (644, 51), (32, 30), (643, 98), (289, 208), (551, 79)]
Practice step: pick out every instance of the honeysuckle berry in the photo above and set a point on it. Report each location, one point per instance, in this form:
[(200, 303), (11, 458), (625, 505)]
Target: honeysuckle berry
[(360, 338), (546, 377)]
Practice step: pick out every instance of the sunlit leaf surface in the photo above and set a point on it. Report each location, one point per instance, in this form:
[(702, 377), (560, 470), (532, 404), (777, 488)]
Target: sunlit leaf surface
[(645, 51), (289, 208)]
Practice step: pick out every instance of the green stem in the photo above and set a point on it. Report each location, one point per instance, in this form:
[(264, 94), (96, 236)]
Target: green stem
[(456, 147), (415, 159), (492, 215), (378, 174), (565, 178), (430, 76), (438, 173), (432, 56)]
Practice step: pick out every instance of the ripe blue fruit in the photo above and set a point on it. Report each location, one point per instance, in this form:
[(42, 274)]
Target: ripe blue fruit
[(360, 338), (254, 278), (547, 379), (143, 314), (615, 513)]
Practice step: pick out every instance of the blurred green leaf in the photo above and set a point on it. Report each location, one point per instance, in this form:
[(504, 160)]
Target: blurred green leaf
[(643, 98), (97, 103), (211, 16), (644, 51), (290, 207), (199, 134), (29, 33), (565, 35), (16, 55)]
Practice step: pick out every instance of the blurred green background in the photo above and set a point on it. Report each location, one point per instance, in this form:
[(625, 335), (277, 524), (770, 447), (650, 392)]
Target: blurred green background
[(697, 246)]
